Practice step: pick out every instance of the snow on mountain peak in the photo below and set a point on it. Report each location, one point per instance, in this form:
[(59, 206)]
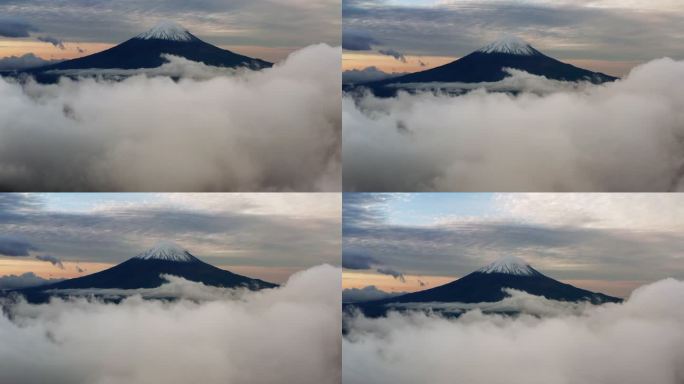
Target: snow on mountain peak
[(167, 30), (509, 44), (511, 265), (166, 251)]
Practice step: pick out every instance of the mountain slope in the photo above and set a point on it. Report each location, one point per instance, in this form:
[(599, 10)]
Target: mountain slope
[(145, 270), (488, 64), (146, 49), (487, 285)]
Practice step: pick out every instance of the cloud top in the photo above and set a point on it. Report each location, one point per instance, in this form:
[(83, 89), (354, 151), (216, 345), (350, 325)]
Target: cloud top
[(622, 136), (639, 341), (285, 335), (274, 130)]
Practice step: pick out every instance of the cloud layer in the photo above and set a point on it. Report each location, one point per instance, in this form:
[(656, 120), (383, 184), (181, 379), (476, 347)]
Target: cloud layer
[(285, 335), (639, 341), (278, 129), (612, 30), (285, 24), (624, 136)]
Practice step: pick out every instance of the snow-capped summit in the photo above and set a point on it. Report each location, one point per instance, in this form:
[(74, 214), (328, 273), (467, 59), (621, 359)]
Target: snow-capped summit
[(511, 265), (167, 251), (167, 30), (512, 45)]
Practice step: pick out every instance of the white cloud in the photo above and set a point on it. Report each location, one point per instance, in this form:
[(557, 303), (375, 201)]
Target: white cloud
[(175, 66), (518, 81), (516, 301), (638, 212), (640, 341), (623, 136), (285, 335), (276, 129)]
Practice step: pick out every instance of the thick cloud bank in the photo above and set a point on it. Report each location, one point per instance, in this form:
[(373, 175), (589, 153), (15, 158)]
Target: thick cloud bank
[(623, 136), (638, 341), (276, 129), (285, 335)]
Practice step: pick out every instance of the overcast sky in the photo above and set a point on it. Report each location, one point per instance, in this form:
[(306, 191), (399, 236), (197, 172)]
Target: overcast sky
[(267, 28), (268, 236), (608, 242), (609, 35)]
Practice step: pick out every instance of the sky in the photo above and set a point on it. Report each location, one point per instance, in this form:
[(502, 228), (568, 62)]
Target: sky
[(267, 236), (268, 29), (611, 36), (611, 243)]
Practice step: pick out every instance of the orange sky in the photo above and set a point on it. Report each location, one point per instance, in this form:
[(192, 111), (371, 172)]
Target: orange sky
[(18, 47), (361, 60), (44, 269), (387, 283)]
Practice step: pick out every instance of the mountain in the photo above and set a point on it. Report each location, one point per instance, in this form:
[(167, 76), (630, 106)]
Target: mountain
[(487, 285), (146, 50), (488, 64), (145, 270)]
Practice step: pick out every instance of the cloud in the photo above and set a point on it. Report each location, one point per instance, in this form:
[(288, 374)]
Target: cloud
[(273, 23), (77, 341), (28, 60), (392, 272), (52, 260), (622, 136), (599, 237), (283, 231), (636, 212), (518, 81), (358, 261), (641, 340), (175, 66), (52, 40), (515, 302), (394, 53), (274, 130), (625, 31), (11, 246), (28, 279), (15, 27), (367, 74), (174, 288), (357, 41), (371, 292)]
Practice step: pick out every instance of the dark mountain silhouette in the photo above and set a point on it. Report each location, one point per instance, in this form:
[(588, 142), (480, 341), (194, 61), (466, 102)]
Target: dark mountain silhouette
[(146, 270), (146, 51), (487, 285), (489, 64)]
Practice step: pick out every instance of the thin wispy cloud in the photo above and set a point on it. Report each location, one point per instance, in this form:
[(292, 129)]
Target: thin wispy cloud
[(604, 30), (240, 230), (568, 236)]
